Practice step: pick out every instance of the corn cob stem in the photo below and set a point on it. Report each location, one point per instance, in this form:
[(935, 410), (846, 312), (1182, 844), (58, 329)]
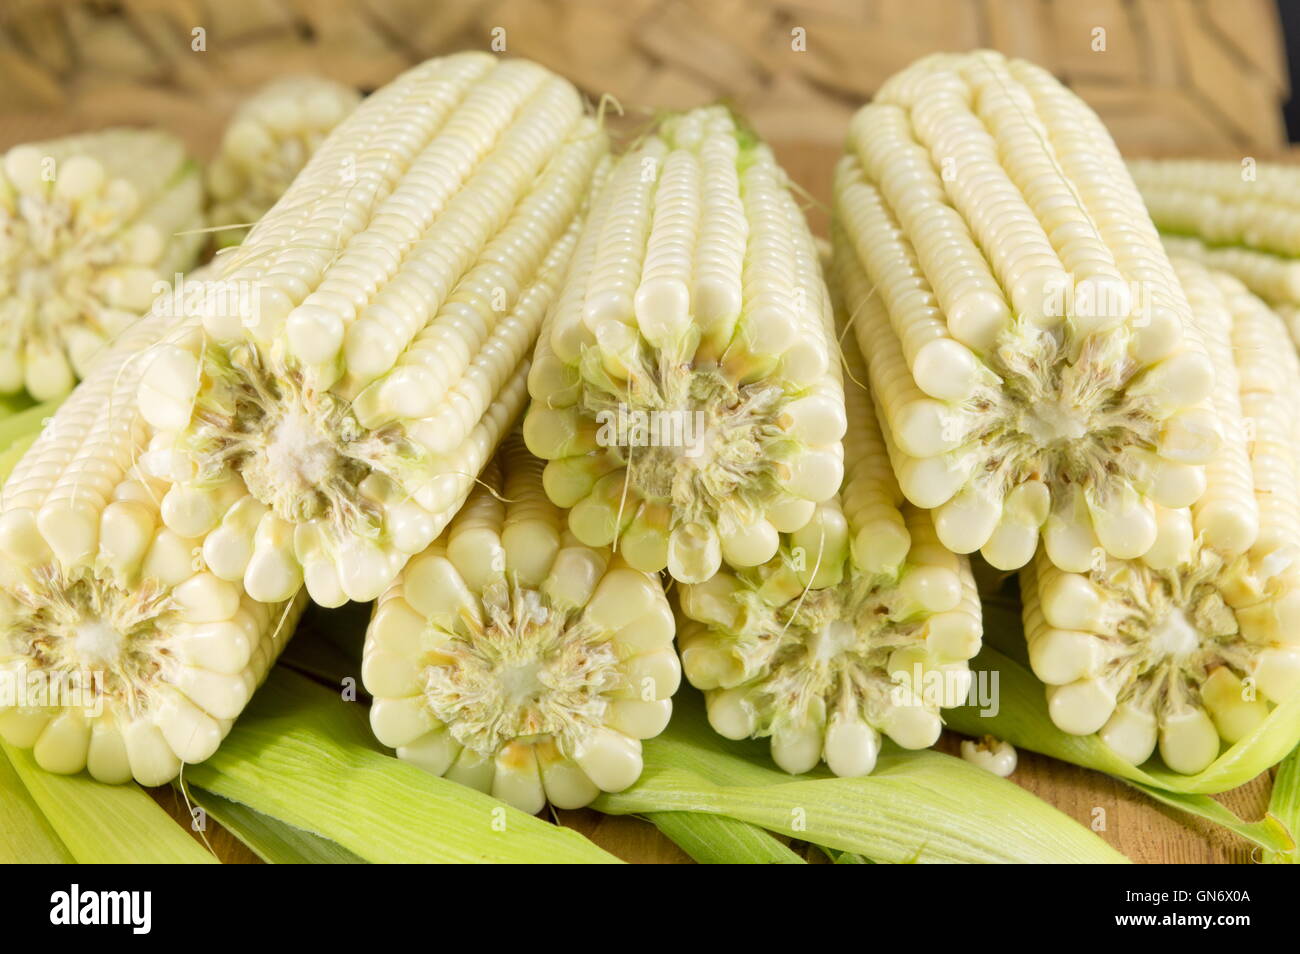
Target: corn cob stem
[(270, 138), (1188, 651), (512, 658), (88, 229), (684, 394), (1032, 354), (121, 653), (384, 352)]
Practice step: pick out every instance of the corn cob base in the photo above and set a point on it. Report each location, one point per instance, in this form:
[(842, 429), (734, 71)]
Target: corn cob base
[(1181, 658), (1190, 647), (290, 489), (121, 653), (132, 680), (824, 673), (685, 393), (513, 659), (87, 231), (860, 626), (1033, 358), (357, 408)]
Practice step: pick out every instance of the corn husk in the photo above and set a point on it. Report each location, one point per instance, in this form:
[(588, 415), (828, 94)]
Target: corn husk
[(26, 836), (105, 824), (303, 756), (272, 840), (918, 806), (1284, 807), (716, 840)]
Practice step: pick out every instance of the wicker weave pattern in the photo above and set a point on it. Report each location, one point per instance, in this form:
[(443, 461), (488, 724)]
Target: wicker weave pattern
[(1176, 75)]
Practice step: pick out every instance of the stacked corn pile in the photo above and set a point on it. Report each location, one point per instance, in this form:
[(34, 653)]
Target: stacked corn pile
[(1006, 362), (1040, 373), (687, 398), (1242, 218), (148, 555)]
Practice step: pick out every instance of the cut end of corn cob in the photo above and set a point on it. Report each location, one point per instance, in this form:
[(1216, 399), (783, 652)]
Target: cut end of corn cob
[(1032, 355), (861, 626), (514, 659), (1190, 648), (382, 349), (685, 391), (270, 138), (120, 652), (88, 230)]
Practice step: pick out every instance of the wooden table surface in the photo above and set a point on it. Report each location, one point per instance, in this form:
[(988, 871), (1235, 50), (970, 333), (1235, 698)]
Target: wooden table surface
[(1135, 825)]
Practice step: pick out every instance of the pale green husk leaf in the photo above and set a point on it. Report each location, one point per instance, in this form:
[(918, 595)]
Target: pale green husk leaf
[(917, 806), (1284, 808), (105, 824), (274, 841), (717, 840), (304, 756), (26, 836)]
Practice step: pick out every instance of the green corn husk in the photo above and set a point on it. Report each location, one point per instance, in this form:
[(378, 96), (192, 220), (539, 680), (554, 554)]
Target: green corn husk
[(11, 404), (105, 824), (26, 836), (1022, 719), (717, 840), (272, 840), (1284, 807), (917, 806), (25, 423), (303, 756), (846, 858), (1268, 833)]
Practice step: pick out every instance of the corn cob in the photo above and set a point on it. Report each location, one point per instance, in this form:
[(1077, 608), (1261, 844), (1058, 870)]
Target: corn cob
[(88, 229), (684, 391), (385, 350), (269, 140), (1035, 363), (512, 658), (1186, 648), (1272, 277), (860, 626), (120, 652), (1240, 218), (1248, 204)]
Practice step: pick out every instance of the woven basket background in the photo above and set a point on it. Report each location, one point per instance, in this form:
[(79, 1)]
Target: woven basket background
[(1177, 76)]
